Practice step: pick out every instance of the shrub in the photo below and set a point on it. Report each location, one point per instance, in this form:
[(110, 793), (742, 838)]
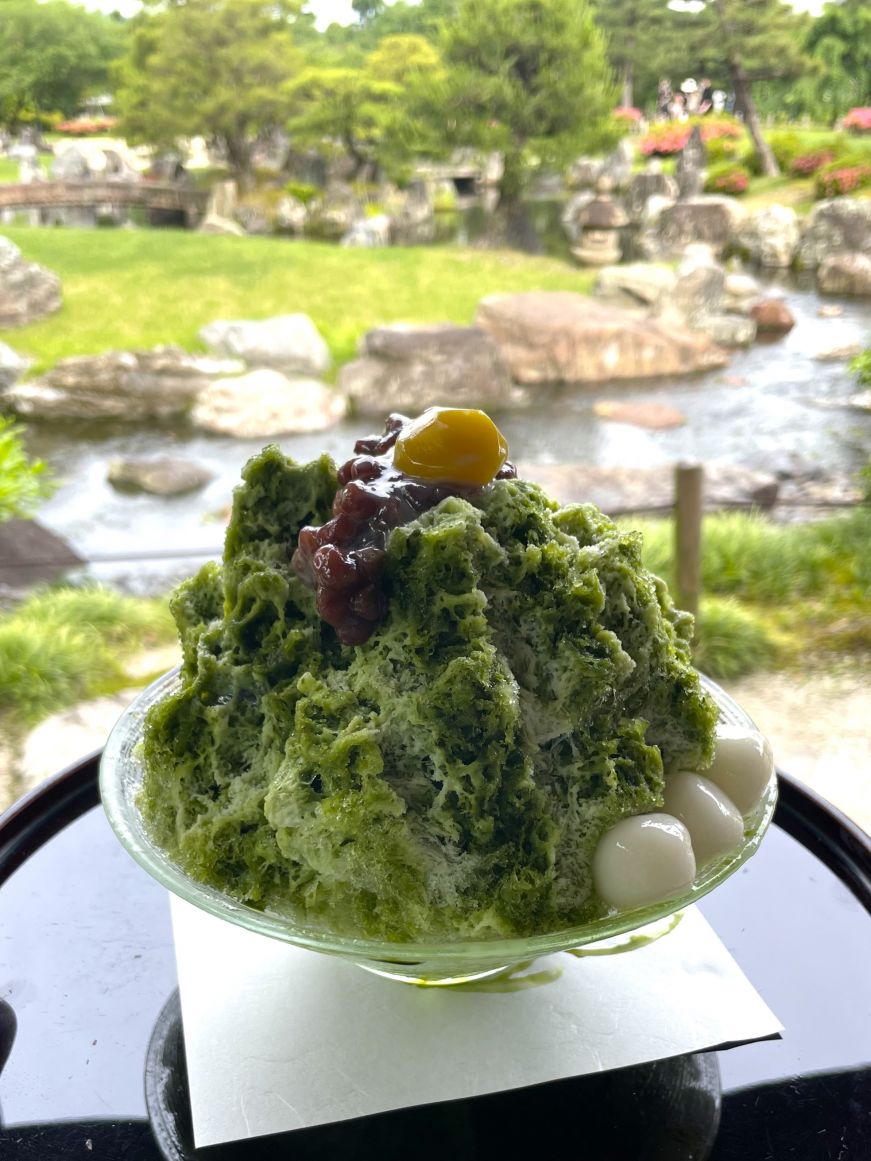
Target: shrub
[(302, 191), (87, 126), (628, 114), (861, 366), (840, 178), (786, 145), (64, 644), (670, 137), (728, 178), (732, 640), (858, 120), (23, 482), (722, 149), (807, 164)]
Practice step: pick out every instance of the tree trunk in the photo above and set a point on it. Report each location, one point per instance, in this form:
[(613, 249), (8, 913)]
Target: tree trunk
[(627, 85), (238, 151), (513, 180), (744, 100), (743, 96)]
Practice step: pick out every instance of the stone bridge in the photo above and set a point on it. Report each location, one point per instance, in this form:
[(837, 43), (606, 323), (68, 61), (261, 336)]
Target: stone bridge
[(171, 199)]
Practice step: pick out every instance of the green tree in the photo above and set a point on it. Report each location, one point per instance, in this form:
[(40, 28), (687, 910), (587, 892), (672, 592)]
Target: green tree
[(527, 78), (634, 31), (367, 10), (23, 482), (752, 40), (840, 40), (213, 67), (53, 55), (370, 110)]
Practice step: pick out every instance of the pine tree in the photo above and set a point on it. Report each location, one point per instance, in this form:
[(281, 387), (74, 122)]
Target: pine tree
[(634, 30), (753, 40), (529, 79)]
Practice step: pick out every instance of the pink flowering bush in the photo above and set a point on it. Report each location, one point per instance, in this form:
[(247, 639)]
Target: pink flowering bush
[(858, 120), (669, 137), (728, 179), (839, 179), (808, 163), (87, 126)]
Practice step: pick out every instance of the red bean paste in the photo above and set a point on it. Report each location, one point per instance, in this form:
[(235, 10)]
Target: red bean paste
[(343, 560)]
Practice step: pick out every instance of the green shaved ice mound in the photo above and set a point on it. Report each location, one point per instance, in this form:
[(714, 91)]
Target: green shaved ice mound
[(452, 776)]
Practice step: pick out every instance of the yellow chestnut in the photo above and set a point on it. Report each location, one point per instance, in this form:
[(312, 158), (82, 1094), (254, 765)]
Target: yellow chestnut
[(457, 444)]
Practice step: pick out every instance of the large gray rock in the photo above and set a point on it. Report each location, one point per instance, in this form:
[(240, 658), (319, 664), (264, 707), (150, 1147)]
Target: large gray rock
[(728, 330), (119, 385), (165, 476), (290, 215), (212, 224), (618, 165), (12, 366), (573, 213), (699, 288), (409, 368), (562, 337), (289, 342), (223, 200), (845, 274), (265, 403), (369, 233), (837, 226), (636, 284), (331, 215), (70, 165), (412, 215), (27, 291), (652, 183), (769, 236), (709, 219)]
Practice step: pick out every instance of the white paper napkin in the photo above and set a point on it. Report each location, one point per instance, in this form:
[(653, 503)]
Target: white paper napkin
[(279, 1038)]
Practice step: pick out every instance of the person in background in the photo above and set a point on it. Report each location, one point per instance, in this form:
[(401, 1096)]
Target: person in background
[(706, 97), (677, 107), (663, 99), (690, 90), (718, 100)]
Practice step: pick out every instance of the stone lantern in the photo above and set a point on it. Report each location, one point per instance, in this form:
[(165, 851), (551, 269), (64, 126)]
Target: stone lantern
[(600, 225)]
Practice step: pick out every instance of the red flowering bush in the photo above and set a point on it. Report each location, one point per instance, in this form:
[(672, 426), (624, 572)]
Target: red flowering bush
[(87, 126), (728, 179), (808, 163), (836, 180), (858, 120), (669, 137)]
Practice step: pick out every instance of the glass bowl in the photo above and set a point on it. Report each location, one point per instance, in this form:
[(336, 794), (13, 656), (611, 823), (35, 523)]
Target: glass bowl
[(420, 962)]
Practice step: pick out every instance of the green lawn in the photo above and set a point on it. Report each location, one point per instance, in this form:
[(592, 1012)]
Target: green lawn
[(9, 167), (125, 289)]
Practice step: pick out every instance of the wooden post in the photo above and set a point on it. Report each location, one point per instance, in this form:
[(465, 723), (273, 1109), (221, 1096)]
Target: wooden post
[(688, 493)]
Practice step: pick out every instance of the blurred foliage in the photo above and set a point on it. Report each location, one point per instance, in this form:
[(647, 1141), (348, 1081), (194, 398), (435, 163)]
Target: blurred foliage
[(218, 68), (529, 79), (23, 482), (66, 644), (54, 55), (774, 594)]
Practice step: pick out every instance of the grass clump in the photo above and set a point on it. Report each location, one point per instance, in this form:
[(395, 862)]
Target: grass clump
[(68, 644), (774, 594), (140, 288)]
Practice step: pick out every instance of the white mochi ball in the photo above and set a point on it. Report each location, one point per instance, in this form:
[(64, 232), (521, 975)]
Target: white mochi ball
[(643, 859), (714, 822), (742, 766)]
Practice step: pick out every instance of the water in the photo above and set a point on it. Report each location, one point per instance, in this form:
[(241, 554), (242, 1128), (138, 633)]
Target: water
[(764, 403)]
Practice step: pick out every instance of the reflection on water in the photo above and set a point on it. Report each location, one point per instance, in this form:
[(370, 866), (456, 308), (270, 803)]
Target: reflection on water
[(766, 402)]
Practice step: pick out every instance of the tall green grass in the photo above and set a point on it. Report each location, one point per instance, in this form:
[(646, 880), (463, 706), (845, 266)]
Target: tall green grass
[(63, 645), (126, 289), (774, 594)]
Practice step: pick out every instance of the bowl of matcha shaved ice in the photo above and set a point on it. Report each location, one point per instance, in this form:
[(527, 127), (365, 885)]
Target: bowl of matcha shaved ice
[(416, 699)]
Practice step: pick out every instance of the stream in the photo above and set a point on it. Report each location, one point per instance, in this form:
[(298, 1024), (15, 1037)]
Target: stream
[(765, 404)]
